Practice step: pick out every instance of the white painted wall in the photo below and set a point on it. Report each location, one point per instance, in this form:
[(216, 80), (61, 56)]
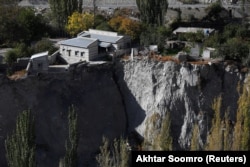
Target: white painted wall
[(206, 54), (40, 64), (76, 54)]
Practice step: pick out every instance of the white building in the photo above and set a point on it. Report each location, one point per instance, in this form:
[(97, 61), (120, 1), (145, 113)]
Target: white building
[(207, 53), (181, 30), (79, 49), (38, 63), (93, 44)]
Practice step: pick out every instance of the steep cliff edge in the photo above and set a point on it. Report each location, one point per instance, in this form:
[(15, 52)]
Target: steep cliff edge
[(91, 90), (152, 88), (113, 99)]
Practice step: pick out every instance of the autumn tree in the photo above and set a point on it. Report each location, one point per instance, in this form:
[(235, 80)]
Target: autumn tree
[(214, 141), (126, 26), (152, 11), (227, 132), (195, 146), (20, 146), (165, 140), (115, 22), (78, 22), (242, 127)]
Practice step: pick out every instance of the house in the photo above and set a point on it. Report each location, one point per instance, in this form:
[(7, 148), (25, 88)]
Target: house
[(79, 49), (182, 30), (109, 41), (38, 63), (94, 44)]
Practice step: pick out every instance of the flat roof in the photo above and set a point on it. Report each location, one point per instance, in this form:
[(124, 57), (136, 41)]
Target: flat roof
[(100, 37), (82, 42), (192, 30)]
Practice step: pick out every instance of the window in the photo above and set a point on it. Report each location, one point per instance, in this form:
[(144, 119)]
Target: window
[(69, 52), (76, 53), (40, 65), (82, 54)]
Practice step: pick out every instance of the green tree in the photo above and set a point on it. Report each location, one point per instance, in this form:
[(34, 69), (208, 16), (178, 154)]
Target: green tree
[(20, 146), (234, 49), (115, 154), (62, 9), (20, 50), (8, 24), (70, 159), (30, 24), (213, 41), (213, 11), (20, 25), (152, 35), (11, 57), (194, 37), (152, 11), (44, 45)]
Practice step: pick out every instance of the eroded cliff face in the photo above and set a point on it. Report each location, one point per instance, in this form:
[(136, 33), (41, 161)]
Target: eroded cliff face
[(152, 88), (97, 101), (113, 100)]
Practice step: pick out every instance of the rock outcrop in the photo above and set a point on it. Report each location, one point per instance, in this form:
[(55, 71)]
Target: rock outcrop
[(152, 88), (113, 100)]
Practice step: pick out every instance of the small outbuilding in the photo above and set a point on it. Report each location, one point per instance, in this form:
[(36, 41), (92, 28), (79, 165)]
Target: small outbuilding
[(208, 53), (38, 63)]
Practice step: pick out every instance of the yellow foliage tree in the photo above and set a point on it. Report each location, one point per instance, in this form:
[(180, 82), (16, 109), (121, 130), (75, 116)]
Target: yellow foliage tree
[(78, 22), (195, 138), (214, 141), (115, 22), (164, 140), (126, 26), (242, 126)]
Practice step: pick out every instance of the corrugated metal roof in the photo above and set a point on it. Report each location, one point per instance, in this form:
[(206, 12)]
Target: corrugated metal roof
[(82, 42)]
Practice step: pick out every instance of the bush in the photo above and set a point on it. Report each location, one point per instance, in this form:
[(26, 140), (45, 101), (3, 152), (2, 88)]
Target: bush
[(44, 45)]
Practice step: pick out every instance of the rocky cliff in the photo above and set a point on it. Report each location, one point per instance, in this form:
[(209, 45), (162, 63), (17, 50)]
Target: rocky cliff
[(152, 88), (112, 100)]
